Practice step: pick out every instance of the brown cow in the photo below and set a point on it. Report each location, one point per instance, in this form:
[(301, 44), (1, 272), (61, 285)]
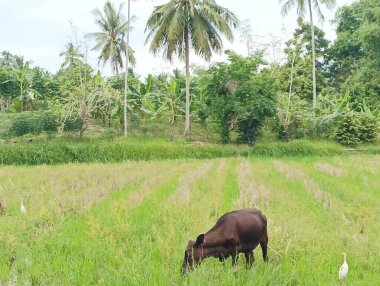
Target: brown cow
[(235, 232)]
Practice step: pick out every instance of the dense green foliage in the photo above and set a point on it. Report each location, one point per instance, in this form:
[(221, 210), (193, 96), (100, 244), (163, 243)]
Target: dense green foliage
[(355, 127), (238, 96), (34, 123), (355, 56), (178, 26), (46, 121)]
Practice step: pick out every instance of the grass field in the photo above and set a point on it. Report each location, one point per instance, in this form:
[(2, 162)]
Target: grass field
[(129, 223)]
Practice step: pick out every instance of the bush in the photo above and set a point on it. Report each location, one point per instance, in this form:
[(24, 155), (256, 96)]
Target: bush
[(39, 122), (295, 130), (369, 127), (348, 129), (34, 123), (356, 127), (72, 124), (249, 130), (322, 127)]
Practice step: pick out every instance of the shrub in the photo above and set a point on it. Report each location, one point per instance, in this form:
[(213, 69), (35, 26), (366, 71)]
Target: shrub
[(369, 127), (39, 122), (34, 123), (249, 129), (322, 127), (348, 129), (72, 124), (356, 127), (295, 130)]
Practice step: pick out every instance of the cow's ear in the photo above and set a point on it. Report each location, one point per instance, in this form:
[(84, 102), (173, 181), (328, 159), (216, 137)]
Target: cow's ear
[(200, 240)]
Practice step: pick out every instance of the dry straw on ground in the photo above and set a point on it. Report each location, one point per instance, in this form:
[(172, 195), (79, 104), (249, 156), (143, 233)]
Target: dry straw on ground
[(251, 193), (330, 169), (182, 194), (290, 172)]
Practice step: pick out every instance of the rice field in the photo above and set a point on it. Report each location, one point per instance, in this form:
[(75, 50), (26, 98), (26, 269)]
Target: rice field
[(129, 223)]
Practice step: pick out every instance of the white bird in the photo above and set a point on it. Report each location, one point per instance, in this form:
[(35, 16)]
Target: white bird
[(343, 271), (22, 208)]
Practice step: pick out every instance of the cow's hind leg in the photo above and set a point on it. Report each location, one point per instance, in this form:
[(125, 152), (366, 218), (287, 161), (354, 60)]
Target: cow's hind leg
[(249, 258), (264, 245)]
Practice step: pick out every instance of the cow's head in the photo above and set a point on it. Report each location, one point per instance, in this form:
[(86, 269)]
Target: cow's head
[(194, 253)]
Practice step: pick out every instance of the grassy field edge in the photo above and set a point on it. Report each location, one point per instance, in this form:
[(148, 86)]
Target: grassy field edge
[(61, 152)]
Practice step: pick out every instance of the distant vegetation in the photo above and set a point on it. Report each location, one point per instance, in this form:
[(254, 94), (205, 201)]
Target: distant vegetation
[(230, 100)]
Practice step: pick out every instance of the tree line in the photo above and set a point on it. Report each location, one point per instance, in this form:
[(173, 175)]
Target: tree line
[(322, 89)]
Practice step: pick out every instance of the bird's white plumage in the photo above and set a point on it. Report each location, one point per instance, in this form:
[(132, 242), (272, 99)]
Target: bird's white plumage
[(343, 271), (22, 208)]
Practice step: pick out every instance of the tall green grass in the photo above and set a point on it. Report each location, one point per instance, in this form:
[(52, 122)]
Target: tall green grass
[(136, 233), (119, 150)]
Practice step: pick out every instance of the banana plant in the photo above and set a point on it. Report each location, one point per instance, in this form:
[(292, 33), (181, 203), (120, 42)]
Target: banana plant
[(143, 98), (171, 104), (22, 78)]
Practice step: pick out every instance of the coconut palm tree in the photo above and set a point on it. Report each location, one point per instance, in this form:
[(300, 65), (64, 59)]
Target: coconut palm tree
[(110, 40), (179, 25), (302, 7), (72, 56)]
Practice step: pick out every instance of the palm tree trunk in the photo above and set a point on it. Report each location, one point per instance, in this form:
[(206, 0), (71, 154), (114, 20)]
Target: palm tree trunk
[(313, 56), (187, 106), (126, 73), (290, 89)]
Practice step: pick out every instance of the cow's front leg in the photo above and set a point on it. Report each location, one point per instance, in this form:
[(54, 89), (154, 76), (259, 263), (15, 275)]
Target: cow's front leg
[(235, 257), (249, 258), (222, 258)]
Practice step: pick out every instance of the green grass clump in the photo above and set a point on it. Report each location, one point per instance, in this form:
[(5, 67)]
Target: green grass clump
[(119, 150), (59, 152), (298, 148)]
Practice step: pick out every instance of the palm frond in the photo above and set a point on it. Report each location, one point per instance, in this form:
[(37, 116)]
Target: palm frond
[(287, 6), (110, 39), (205, 20), (318, 10)]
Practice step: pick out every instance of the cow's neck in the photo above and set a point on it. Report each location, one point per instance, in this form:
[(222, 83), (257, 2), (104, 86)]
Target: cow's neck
[(210, 251), (212, 245)]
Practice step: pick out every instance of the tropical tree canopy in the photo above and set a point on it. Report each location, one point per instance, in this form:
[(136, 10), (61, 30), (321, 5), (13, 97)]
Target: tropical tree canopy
[(203, 21), (178, 25), (303, 7), (72, 56), (110, 40)]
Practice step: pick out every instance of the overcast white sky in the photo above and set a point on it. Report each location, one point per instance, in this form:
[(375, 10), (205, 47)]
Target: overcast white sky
[(39, 29)]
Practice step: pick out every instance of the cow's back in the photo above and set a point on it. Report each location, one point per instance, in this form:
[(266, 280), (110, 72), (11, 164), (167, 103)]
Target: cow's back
[(251, 226), (245, 227)]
